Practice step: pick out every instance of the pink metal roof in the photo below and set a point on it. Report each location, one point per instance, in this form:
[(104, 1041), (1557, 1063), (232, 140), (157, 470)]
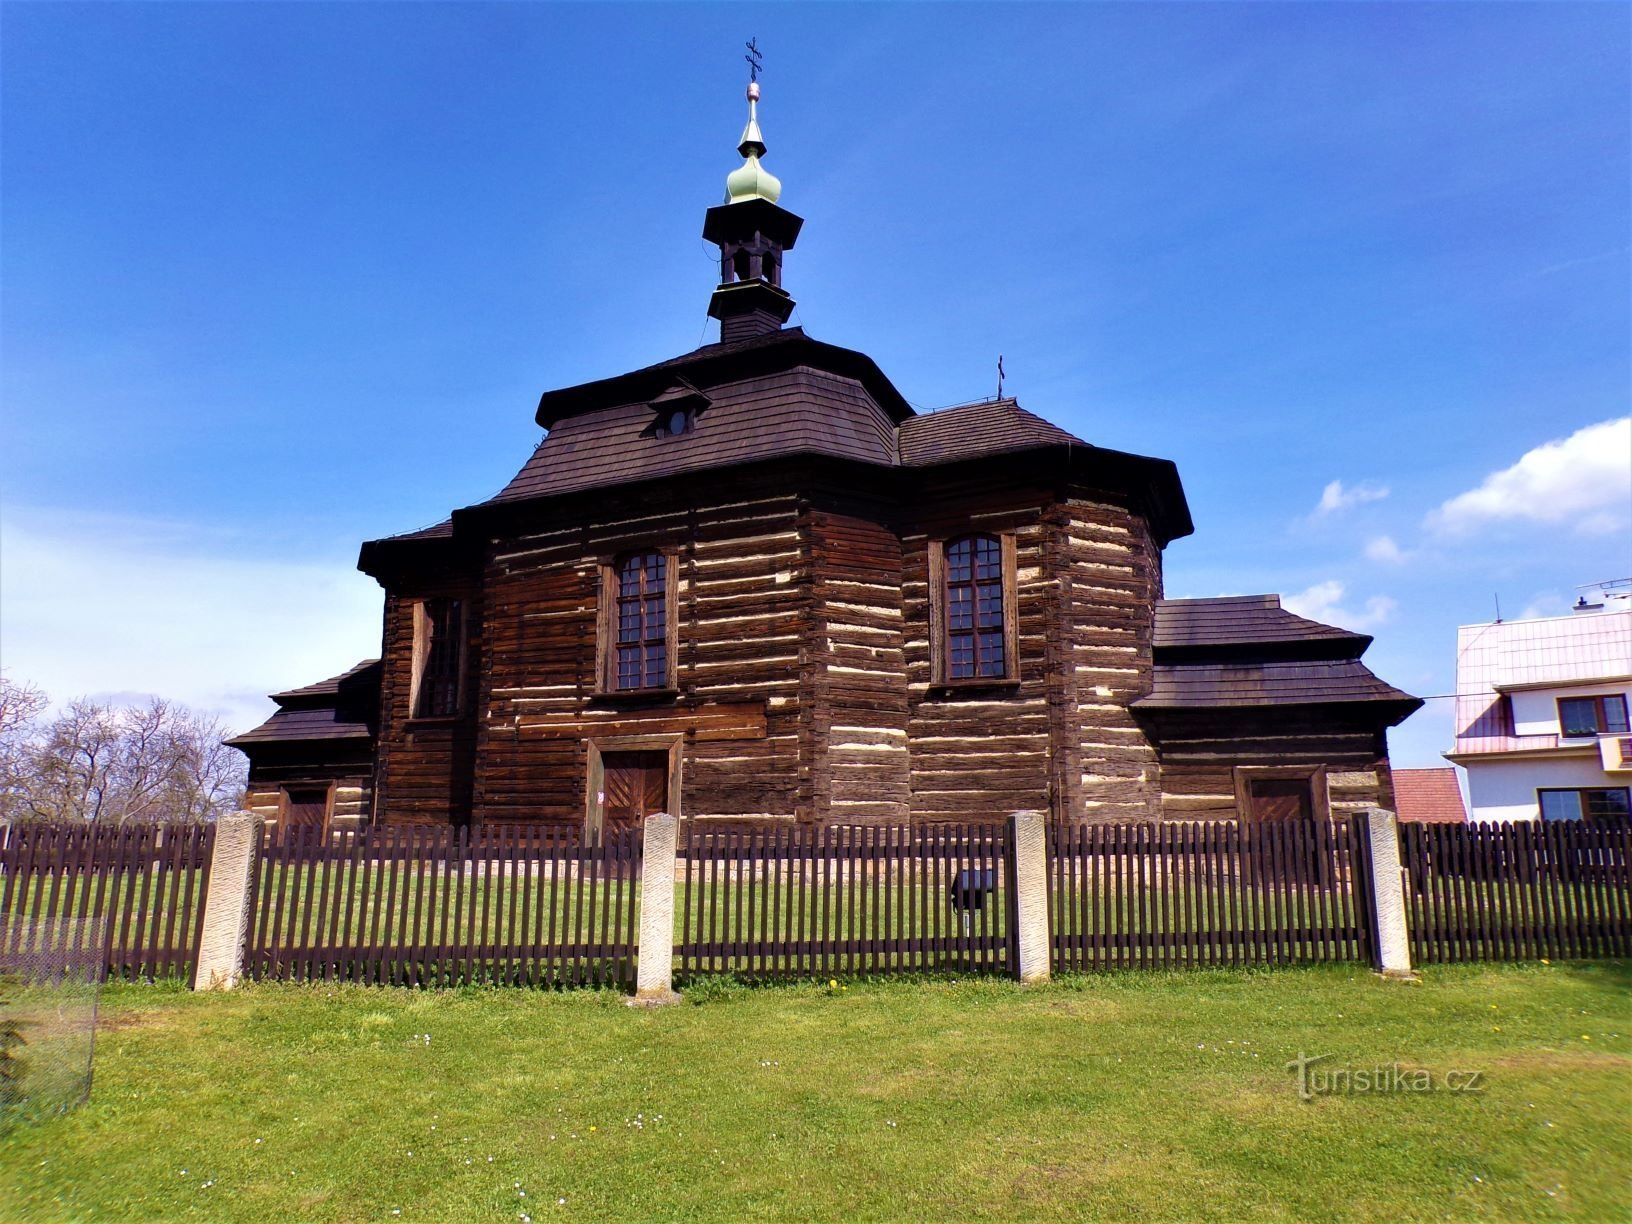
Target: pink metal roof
[(1560, 650)]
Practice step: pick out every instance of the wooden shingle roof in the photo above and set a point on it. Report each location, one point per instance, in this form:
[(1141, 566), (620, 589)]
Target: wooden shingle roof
[(330, 687), (322, 723), (1246, 651), (798, 411), (777, 396), (989, 428), (1239, 620), (343, 707), (713, 363), (1275, 683)]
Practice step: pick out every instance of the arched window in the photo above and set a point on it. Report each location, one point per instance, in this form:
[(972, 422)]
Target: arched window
[(975, 637), (641, 658)]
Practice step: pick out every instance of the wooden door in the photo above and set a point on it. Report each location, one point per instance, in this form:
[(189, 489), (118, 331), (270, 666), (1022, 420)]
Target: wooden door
[(636, 785), (1274, 804), (1280, 799), (306, 805)]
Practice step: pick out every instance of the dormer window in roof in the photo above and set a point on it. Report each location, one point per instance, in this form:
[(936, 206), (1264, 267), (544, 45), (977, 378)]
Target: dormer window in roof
[(675, 412)]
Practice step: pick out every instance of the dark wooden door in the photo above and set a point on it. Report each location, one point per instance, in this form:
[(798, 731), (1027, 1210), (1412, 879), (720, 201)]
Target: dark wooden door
[(305, 805), (1279, 810), (636, 785), (1281, 799)]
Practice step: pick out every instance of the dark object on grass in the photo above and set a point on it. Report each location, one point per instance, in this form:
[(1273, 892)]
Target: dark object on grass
[(971, 888)]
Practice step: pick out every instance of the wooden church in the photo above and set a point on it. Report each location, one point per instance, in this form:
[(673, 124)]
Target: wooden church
[(751, 583)]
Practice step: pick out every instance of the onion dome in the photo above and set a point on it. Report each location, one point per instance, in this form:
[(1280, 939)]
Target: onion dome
[(751, 181)]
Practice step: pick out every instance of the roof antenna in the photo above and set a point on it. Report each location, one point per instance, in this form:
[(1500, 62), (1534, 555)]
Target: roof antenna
[(1498, 600), (1000, 376)]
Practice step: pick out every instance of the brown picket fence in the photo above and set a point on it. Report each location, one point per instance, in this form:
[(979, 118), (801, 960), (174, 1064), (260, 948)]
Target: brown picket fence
[(1517, 891), (438, 906), (1184, 894), (139, 886), (799, 901), (526, 905)]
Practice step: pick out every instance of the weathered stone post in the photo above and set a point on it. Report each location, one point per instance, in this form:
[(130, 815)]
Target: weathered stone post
[(654, 981), (1029, 881), (1390, 936), (228, 902)]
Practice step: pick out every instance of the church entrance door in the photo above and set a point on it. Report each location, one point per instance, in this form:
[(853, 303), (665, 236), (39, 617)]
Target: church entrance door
[(636, 785)]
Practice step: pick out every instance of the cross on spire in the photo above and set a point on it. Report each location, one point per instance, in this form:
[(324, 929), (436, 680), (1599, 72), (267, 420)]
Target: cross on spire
[(755, 66)]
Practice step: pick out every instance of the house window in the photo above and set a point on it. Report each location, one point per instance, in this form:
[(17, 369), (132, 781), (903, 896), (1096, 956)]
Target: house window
[(439, 657), (1597, 715), (973, 613), (640, 626), (1609, 805)]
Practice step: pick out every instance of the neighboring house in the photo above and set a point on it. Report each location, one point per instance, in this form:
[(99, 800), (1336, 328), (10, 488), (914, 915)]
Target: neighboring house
[(1541, 714), (1429, 796), (752, 582)]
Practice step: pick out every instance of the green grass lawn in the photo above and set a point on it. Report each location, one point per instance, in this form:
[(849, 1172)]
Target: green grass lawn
[(1146, 1096)]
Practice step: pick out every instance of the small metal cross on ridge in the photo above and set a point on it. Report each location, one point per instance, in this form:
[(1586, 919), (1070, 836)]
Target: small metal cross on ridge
[(755, 67), (1000, 376)]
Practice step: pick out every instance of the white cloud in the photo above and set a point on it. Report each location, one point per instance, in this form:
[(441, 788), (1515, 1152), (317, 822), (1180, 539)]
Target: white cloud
[(111, 607), (1334, 497), (1324, 602), (1383, 548), (1583, 481)]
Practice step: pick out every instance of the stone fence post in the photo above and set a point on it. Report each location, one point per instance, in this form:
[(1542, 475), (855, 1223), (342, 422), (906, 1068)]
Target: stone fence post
[(1028, 907), (228, 902), (654, 980), (1391, 941)]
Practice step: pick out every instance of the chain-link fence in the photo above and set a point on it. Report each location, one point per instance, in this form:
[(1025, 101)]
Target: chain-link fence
[(51, 976)]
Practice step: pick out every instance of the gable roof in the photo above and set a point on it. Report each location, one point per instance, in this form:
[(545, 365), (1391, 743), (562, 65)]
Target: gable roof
[(1431, 795)]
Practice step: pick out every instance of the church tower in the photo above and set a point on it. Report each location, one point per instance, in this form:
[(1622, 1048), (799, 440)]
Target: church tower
[(752, 232)]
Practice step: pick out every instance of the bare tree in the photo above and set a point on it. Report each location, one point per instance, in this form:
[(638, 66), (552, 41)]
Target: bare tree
[(20, 708), (92, 762)]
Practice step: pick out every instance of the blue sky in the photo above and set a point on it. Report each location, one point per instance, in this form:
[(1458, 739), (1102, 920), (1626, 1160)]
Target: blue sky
[(279, 278)]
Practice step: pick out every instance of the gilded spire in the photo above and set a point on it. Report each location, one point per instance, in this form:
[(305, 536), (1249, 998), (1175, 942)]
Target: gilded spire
[(751, 181)]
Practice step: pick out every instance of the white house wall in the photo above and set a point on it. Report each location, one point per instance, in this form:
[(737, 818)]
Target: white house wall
[(1506, 790), (1535, 711)]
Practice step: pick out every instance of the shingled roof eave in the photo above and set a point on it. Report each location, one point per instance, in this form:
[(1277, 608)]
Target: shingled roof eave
[(1397, 705), (325, 688), (253, 737), (788, 346)]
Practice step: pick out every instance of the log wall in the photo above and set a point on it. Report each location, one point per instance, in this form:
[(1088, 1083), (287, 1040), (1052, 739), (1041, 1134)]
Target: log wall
[(802, 676), (1200, 753), (1108, 569), (426, 766), (742, 593), (856, 690)]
